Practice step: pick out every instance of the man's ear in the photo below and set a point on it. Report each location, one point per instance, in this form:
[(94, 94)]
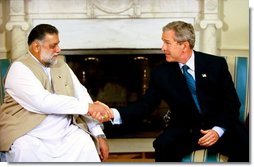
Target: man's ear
[(36, 46), (185, 45)]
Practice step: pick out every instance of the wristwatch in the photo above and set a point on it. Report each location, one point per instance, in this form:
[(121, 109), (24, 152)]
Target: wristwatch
[(102, 136)]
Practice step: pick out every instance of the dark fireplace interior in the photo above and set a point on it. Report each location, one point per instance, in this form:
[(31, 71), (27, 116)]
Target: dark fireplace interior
[(118, 77)]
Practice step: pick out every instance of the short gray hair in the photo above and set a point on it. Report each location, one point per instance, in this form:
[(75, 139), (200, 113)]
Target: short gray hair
[(183, 32)]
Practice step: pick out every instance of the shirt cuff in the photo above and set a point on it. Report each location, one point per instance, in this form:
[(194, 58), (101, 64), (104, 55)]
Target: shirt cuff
[(97, 130), (219, 130), (117, 118)]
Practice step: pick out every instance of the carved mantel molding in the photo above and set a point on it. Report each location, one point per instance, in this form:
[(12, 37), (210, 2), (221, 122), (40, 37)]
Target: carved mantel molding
[(210, 23), (17, 15), (142, 21), (211, 14), (113, 7), (18, 27)]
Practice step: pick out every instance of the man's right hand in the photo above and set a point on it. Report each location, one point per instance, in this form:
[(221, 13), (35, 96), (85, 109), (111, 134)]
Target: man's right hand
[(100, 111)]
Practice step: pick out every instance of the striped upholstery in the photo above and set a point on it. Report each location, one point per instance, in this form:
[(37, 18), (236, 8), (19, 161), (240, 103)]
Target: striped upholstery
[(4, 64), (204, 156), (241, 84), (239, 69)]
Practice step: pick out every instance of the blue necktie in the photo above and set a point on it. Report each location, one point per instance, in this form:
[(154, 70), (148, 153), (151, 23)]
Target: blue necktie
[(191, 84)]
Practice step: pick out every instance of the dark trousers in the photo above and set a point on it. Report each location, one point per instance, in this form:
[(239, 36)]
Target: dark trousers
[(174, 143)]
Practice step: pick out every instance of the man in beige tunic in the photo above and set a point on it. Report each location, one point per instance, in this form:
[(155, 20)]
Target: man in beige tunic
[(47, 114)]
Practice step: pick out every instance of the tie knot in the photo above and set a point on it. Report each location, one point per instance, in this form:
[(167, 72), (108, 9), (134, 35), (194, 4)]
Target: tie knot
[(185, 68)]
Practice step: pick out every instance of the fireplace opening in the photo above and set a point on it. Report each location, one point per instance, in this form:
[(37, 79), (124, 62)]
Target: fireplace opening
[(117, 79)]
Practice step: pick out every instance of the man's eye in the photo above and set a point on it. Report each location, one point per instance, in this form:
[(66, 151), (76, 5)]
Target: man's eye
[(52, 46)]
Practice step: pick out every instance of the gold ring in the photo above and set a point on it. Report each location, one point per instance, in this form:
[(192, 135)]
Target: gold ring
[(104, 117)]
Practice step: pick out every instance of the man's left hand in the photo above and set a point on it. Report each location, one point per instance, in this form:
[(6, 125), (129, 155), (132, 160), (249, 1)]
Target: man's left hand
[(104, 148), (210, 137)]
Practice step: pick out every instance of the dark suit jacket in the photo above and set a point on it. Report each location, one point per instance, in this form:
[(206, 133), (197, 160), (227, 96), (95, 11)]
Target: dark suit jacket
[(215, 91)]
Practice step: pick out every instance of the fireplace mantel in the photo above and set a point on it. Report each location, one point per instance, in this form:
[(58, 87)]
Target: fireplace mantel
[(105, 24), (111, 51)]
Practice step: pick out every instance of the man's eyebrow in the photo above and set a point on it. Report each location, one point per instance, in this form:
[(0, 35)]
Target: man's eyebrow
[(165, 40), (55, 43)]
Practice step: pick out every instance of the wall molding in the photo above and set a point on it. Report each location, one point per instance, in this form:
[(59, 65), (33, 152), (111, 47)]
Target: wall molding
[(139, 26), (241, 51)]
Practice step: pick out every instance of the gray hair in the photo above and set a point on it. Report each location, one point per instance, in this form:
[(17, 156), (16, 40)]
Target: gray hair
[(183, 32)]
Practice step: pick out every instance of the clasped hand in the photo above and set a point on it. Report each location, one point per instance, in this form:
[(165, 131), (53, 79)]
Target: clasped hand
[(100, 111)]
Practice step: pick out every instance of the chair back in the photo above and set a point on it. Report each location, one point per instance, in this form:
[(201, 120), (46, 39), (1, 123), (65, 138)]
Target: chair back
[(4, 65)]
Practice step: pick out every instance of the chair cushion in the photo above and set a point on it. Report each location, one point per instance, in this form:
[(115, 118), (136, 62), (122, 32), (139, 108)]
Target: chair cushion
[(203, 155)]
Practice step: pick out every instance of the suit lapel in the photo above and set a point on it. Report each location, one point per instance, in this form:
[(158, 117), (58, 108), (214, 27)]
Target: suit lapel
[(202, 79), (201, 75), (176, 78), (178, 84)]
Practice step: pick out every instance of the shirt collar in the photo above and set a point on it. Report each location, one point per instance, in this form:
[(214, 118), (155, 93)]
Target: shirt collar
[(190, 63)]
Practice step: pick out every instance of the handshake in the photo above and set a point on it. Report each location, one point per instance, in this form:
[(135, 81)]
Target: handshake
[(100, 111)]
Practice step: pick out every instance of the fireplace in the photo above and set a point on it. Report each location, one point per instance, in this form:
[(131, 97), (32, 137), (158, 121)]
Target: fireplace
[(119, 77)]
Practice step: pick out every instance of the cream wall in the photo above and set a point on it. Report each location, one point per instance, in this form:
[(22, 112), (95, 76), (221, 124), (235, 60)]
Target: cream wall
[(235, 31)]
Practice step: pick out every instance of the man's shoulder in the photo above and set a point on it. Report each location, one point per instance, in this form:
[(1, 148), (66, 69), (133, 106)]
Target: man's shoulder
[(166, 65), (160, 67), (22, 58), (208, 56), (164, 68)]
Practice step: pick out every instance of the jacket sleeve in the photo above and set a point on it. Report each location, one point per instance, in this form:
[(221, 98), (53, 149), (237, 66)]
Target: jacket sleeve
[(145, 106)]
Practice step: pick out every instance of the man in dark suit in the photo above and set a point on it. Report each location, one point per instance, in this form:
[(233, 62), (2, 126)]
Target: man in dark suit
[(204, 116)]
